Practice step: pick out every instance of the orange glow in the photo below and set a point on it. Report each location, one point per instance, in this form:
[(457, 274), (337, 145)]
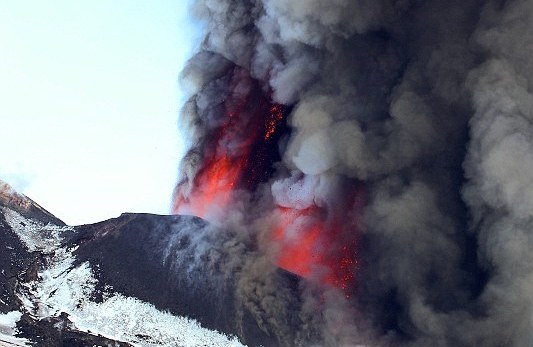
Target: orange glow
[(311, 252), (299, 253), (224, 171), (215, 187)]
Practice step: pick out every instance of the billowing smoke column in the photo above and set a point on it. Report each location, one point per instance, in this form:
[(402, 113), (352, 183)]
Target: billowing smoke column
[(383, 150), (243, 127)]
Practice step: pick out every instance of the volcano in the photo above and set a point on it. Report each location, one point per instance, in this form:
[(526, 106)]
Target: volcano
[(138, 279), (358, 173)]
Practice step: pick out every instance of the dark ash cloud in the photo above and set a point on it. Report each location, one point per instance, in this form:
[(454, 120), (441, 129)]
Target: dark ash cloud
[(425, 104)]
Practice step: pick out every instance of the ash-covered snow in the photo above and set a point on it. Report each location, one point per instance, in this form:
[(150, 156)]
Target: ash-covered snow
[(61, 287), (36, 235)]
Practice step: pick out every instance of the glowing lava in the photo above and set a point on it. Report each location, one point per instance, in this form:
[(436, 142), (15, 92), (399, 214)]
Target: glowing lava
[(213, 191), (238, 154), (299, 240), (312, 243), (274, 121)]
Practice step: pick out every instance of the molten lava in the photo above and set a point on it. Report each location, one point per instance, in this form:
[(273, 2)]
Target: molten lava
[(299, 244), (213, 189), (312, 243), (238, 155)]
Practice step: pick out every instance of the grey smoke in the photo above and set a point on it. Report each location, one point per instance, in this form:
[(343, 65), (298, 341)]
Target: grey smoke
[(429, 104)]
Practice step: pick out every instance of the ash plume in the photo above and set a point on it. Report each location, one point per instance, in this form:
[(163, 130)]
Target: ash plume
[(382, 150)]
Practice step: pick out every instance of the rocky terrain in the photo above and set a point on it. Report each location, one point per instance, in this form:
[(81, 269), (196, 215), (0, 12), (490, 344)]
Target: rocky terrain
[(135, 280)]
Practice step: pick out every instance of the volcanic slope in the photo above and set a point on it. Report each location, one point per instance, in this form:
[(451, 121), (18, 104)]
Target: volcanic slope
[(135, 280)]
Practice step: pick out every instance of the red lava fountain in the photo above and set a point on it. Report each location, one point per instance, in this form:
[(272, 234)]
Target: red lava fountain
[(238, 154)]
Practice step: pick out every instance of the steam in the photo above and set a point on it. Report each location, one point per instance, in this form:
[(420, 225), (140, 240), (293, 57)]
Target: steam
[(428, 105)]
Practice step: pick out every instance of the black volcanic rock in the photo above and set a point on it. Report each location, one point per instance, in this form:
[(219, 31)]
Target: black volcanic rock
[(17, 265), (58, 331), (151, 258), (177, 263)]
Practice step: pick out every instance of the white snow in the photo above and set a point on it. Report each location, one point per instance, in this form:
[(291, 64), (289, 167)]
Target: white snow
[(9, 341), (126, 319), (65, 288), (8, 322)]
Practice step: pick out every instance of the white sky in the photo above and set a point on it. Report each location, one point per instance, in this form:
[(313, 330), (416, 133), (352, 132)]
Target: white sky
[(89, 103)]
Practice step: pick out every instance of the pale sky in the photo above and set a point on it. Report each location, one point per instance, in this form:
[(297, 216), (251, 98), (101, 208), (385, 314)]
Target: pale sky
[(89, 101)]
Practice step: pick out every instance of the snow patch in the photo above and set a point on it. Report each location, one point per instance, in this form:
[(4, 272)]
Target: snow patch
[(36, 235), (64, 288), (8, 322), (129, 319)]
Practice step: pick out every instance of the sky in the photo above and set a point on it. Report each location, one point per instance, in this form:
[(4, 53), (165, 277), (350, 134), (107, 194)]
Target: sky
[(89, 102)]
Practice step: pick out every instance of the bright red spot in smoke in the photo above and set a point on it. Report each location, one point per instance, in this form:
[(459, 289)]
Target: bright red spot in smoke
[(308, 243), (214, 187), (299, 252)]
